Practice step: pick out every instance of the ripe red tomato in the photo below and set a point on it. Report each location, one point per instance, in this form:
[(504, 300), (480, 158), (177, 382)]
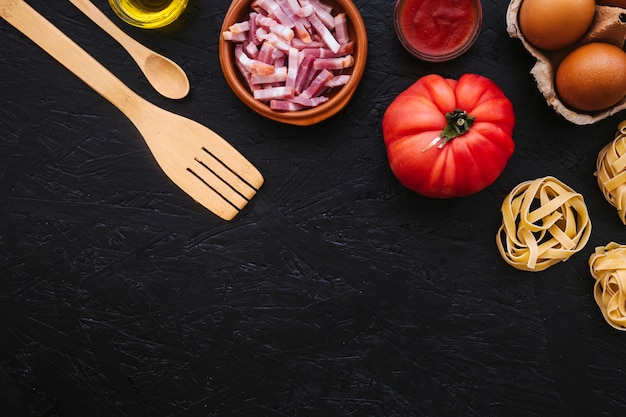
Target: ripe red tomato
[(448, 138)]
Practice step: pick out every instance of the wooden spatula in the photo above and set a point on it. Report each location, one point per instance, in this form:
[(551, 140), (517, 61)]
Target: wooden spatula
[(198, 160)]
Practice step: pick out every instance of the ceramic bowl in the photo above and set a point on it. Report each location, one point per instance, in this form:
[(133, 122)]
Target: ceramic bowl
[(339, 97)]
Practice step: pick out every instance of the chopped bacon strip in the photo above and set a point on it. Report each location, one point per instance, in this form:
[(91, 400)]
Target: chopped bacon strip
[(252, 65), (288, 8), (292, 71), (338, 80), (273, 10), (347, 48), (324, 33), (240, 27), (252, 26), (251, 50), (279, 29), (309, 101), (326, 18), (238, 37), (276, 41), (260, 33), (285, 105), (292, 52), (302, 32), (265, 53), (306, 9), (318, 5), (295, 7), (301, 44), (341, 28), (324, 52), (305, 73), (246, 75), (333, 63), (318, 83), (273, 93), (279, 60), (291, 7), (323, 12), (279, 75)]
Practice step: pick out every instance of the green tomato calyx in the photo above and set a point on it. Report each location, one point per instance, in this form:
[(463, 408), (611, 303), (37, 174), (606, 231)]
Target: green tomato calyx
[(459, 123)]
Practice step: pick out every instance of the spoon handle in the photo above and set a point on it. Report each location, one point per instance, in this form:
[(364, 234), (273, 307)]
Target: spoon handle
[(38, 29), (134, 48)]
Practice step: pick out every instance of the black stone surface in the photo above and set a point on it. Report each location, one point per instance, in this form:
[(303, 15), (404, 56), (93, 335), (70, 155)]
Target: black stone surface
[(336, 292)]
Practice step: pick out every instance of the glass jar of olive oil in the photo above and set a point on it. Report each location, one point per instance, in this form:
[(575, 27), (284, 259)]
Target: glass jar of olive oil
[(148, 14)]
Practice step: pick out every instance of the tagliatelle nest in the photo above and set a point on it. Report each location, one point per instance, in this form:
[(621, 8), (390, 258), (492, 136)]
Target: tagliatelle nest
[(543, 222), (611, 171), (608, 268)]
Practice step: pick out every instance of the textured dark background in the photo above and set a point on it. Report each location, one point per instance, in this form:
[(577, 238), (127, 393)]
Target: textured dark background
[(336, 292)]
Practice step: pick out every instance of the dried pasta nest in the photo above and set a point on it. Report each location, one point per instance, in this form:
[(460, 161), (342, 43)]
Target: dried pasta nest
[(543, 222), (608, 268), (611, 171)]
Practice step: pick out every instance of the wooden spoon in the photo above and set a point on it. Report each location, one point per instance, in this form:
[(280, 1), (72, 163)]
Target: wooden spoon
[(167, 78)]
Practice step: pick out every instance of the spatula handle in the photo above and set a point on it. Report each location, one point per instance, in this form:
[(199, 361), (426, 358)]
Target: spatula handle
[(38, 29)]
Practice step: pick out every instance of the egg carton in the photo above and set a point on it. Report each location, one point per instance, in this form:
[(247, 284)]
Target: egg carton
[(606, 27)]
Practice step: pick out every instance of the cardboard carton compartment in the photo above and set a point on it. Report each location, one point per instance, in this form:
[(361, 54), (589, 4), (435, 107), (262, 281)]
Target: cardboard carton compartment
[(609, 25)]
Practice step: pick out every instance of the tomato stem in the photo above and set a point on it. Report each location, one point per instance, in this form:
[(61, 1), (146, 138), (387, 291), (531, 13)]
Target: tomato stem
[(459, 123)]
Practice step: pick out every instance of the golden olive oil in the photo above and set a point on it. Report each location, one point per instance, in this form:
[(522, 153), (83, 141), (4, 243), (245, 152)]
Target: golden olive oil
[(148, 14)]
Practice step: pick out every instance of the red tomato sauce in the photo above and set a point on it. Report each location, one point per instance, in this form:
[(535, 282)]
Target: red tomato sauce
[(437, 27)]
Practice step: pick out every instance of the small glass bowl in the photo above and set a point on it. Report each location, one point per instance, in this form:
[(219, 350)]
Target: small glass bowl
[(134, 14), (444, 56)]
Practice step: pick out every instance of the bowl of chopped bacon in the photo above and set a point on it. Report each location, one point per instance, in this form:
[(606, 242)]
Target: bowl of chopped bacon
[(297, 62)]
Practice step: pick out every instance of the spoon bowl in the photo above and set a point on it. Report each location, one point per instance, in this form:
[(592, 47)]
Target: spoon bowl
[(165, 76)]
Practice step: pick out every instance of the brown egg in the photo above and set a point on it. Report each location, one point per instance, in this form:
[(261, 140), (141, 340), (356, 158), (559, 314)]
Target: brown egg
[(555, 24), (592, 77)]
